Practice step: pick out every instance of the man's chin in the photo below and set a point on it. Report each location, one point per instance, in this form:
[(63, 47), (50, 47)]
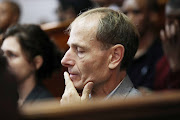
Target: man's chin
[(78, 87)]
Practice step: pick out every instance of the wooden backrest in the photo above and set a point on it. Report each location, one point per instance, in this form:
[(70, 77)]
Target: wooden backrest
[(163, 106), (56, 31)]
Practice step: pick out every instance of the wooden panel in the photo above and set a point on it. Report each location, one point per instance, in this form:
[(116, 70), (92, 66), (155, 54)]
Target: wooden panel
[(56, 83), (163, 106), (56, 32)]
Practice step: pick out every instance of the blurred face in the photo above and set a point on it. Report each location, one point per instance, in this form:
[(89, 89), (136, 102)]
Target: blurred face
[(17, 61), (172, 14), (132, 9), (85, 59), (67, 14), (6, 16)]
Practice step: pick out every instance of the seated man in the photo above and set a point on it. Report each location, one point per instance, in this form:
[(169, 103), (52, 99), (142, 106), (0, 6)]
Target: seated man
[(102, 44)]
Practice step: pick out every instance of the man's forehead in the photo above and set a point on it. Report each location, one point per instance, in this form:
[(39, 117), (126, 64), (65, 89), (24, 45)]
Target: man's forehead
[(85, 43), (87, 21), (84, 27)]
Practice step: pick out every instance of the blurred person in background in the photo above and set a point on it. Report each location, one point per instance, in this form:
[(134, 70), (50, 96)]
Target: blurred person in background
[(113, 4), (69, 9), (168, 67), (9, 15), (142, 69), (32, 57)]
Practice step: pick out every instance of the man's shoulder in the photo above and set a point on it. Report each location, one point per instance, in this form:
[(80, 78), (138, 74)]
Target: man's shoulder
[(125, 89), (134, 93)]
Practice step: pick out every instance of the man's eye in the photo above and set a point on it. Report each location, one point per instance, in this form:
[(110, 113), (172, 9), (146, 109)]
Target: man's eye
[(80, 52)]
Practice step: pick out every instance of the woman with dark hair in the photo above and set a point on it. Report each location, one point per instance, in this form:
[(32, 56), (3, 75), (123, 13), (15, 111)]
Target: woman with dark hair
[(33, 57)]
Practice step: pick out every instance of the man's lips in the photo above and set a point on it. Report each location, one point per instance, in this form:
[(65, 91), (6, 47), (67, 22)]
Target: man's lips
[(73, 75)]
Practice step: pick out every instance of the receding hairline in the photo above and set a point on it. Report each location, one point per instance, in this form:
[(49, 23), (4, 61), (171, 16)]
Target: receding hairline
[(97, 12), (89, 15)]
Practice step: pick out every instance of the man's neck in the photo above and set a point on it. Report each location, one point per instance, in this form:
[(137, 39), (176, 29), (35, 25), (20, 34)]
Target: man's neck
[(107, 87), (25, 88)]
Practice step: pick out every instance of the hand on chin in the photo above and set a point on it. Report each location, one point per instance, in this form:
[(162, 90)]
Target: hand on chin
[(71, 90)]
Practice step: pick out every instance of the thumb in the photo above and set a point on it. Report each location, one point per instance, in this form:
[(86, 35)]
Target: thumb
[(86, 91)]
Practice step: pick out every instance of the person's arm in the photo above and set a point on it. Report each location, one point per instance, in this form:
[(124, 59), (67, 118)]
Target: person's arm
[(171, 44), (71, 95)]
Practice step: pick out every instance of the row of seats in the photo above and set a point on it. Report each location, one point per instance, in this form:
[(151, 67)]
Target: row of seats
[(161, 106)]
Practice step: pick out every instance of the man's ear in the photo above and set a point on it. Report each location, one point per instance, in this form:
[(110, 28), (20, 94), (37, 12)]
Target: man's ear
[(38, 61), (117, 54)]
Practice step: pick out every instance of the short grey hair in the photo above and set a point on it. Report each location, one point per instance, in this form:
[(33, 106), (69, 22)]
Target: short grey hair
[(114, 28)]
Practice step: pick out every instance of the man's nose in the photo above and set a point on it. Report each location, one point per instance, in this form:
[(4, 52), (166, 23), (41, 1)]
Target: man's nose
[(68, 59)]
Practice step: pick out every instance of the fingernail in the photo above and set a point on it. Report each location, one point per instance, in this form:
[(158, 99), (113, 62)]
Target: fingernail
[(65, 72)]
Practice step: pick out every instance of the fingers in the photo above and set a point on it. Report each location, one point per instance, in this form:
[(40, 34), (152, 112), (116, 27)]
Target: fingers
[(177, 27), (70, 94), (162, 35), (86, 91), (177, 30), (170, 33), (70, 97), (69, 84), (167, 31), (67, 78)]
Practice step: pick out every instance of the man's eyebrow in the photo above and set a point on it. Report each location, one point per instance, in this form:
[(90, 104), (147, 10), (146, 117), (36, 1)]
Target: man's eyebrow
[(77, 45), (80, 46)]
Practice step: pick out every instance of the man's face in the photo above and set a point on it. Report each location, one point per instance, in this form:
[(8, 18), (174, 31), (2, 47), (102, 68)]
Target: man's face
[(16, 59), (85, 59), (135, 13), (172, 14), (6, 16)]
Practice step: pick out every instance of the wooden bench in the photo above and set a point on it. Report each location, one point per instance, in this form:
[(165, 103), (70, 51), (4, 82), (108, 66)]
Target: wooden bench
[(56, 31), (163, 106)]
